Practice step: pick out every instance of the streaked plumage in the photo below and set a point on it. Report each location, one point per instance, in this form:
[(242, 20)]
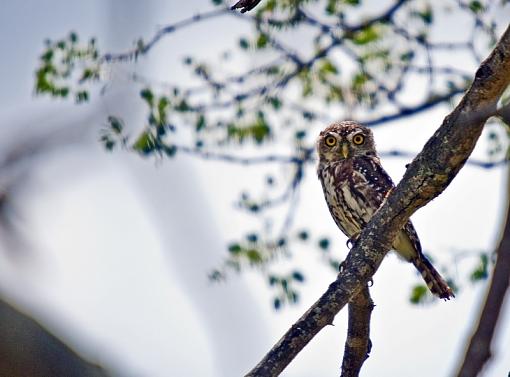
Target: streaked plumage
[(355, 185)]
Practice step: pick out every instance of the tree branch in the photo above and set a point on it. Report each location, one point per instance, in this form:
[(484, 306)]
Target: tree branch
[(144, 48), (479, 350), (427, 176), (384, 17), (408, 111), (358, 344)]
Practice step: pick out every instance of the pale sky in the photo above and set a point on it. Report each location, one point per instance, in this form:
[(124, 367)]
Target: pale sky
[(120, 247)]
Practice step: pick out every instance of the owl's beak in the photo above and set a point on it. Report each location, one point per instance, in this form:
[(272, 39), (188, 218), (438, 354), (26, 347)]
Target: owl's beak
[(345, 150)]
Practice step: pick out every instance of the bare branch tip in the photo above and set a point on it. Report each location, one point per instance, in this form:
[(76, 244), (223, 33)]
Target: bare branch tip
[(245, 5)]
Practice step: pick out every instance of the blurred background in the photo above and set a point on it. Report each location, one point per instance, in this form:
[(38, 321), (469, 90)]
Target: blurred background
[(107, 258)]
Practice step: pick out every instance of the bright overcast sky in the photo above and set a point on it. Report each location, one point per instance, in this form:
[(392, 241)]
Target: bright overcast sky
[(121, 247)]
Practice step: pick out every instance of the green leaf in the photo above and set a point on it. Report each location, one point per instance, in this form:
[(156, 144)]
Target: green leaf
[(326, 66), (274, 70), (47, 55), (476, 6), (300, 135), (293, 297), (359, 80), (331, 7), (216, 276), (262, 40), (152, 119), (298, 276), (254, 256), (334, 264), (116, 124), (324, 244), (147, 96), (163, 104), (366, 35), (200, 124), (234, 248), (145, 144), (62, 92), (73, 37), (108, 142), (254, 208), (308, 115), (170, 150), (481, 272), (407, 56), (89, 74), (303, 235), (418, 294), (277, 303), (273, 280), (259, 131), (275, 102), (243, 43), (82, 96), (182, 106), (426, 15)]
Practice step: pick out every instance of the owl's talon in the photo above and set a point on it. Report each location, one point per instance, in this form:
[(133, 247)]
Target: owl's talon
[(352, 241), (369, 347)]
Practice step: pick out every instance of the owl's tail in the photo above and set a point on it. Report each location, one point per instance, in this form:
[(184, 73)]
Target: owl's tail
[(434, 280)]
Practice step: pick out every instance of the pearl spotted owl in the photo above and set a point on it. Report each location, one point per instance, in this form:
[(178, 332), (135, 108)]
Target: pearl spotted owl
[(355, 185)]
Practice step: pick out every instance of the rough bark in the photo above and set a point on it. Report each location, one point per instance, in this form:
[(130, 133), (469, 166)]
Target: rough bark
[(426, 177), (478, 353), (357, 344)]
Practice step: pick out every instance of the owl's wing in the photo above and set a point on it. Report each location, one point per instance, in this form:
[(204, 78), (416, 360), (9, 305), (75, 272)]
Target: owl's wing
[(371, 179), (379, 184)]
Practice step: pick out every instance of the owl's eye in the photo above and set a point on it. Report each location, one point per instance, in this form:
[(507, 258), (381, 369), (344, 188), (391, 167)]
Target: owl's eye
[(358, 139), (330, 141)]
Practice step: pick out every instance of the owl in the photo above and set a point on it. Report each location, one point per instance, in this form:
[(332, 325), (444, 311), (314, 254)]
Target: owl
[(355, 185)]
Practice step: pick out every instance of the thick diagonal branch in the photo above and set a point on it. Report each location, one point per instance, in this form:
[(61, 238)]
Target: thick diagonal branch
[(357, 344), (426, 177)]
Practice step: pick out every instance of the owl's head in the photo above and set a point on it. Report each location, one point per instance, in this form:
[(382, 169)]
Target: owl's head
[(344, 140)]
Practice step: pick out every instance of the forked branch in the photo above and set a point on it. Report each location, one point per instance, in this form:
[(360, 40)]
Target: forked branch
[(426, 177)]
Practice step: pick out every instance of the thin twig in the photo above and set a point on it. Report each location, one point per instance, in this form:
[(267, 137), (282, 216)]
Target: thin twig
[(407, 111), (144, 48)]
